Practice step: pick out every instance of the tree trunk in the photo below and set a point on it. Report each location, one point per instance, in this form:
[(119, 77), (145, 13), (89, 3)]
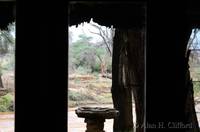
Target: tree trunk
[(135, 54), (1, 82), (121, 94), (128, 70)]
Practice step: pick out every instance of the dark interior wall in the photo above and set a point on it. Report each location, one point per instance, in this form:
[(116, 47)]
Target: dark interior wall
[(169, 29), (193, 13), (172, 36), (122, 15), (7, 13), (41, 66), (167, 40)]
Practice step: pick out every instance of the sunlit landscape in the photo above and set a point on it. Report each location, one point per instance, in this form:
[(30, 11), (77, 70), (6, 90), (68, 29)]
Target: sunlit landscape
[(7, 78)]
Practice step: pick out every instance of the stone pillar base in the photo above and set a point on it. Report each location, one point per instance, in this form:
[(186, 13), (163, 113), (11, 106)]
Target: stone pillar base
[(94, 125), (95, 117)]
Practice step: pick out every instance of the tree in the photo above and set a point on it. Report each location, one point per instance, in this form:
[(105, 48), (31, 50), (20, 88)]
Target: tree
[(88, 56), (121, 94), (81, 52), (128, 78), (194, 46), (107, 35)]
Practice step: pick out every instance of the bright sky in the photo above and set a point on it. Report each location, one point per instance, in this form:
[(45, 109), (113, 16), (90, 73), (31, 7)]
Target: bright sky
[(84, 28), (197, 39)]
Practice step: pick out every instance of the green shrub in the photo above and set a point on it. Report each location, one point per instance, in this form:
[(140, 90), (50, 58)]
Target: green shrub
[(196, 87), (83, 70), (76, 96), (96, 68), (109, 68), (3, 108), (96, 74), (7, 103)]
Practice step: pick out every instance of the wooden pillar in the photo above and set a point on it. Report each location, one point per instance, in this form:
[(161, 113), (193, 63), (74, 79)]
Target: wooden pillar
[(121, 94), (135, 55)]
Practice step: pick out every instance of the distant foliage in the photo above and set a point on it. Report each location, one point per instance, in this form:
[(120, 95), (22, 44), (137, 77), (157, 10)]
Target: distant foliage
[(77, 96), (196, 87), (7, 48), (7, 103), (86, 57)]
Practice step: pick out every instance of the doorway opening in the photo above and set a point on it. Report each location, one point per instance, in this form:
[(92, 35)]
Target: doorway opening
[(90, 70), (90, 64), (194, 63)]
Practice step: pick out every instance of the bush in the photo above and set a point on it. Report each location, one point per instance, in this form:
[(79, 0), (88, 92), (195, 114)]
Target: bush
[(196, 87), (3, 108), (96, 68), (109, 68), (83, 70), (85, 57), (7, 103), (76, 96)]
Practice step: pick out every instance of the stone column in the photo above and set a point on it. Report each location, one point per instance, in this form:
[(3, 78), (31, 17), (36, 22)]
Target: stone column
[(94, 125)]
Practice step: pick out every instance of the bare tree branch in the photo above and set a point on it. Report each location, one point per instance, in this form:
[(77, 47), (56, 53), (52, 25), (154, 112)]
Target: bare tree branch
[(191, 40), (105, 37)]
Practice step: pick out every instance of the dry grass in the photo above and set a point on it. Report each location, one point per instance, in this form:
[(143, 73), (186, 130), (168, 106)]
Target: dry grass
[(8, 82), (88, 89)]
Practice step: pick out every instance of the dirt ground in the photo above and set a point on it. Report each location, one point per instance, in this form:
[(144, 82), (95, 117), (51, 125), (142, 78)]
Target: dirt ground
[(6, 122), (75, 124), (89, 89), (7, 118)]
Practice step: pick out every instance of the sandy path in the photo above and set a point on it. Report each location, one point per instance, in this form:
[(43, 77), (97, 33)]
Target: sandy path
[(75, 124), (6, 122)]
